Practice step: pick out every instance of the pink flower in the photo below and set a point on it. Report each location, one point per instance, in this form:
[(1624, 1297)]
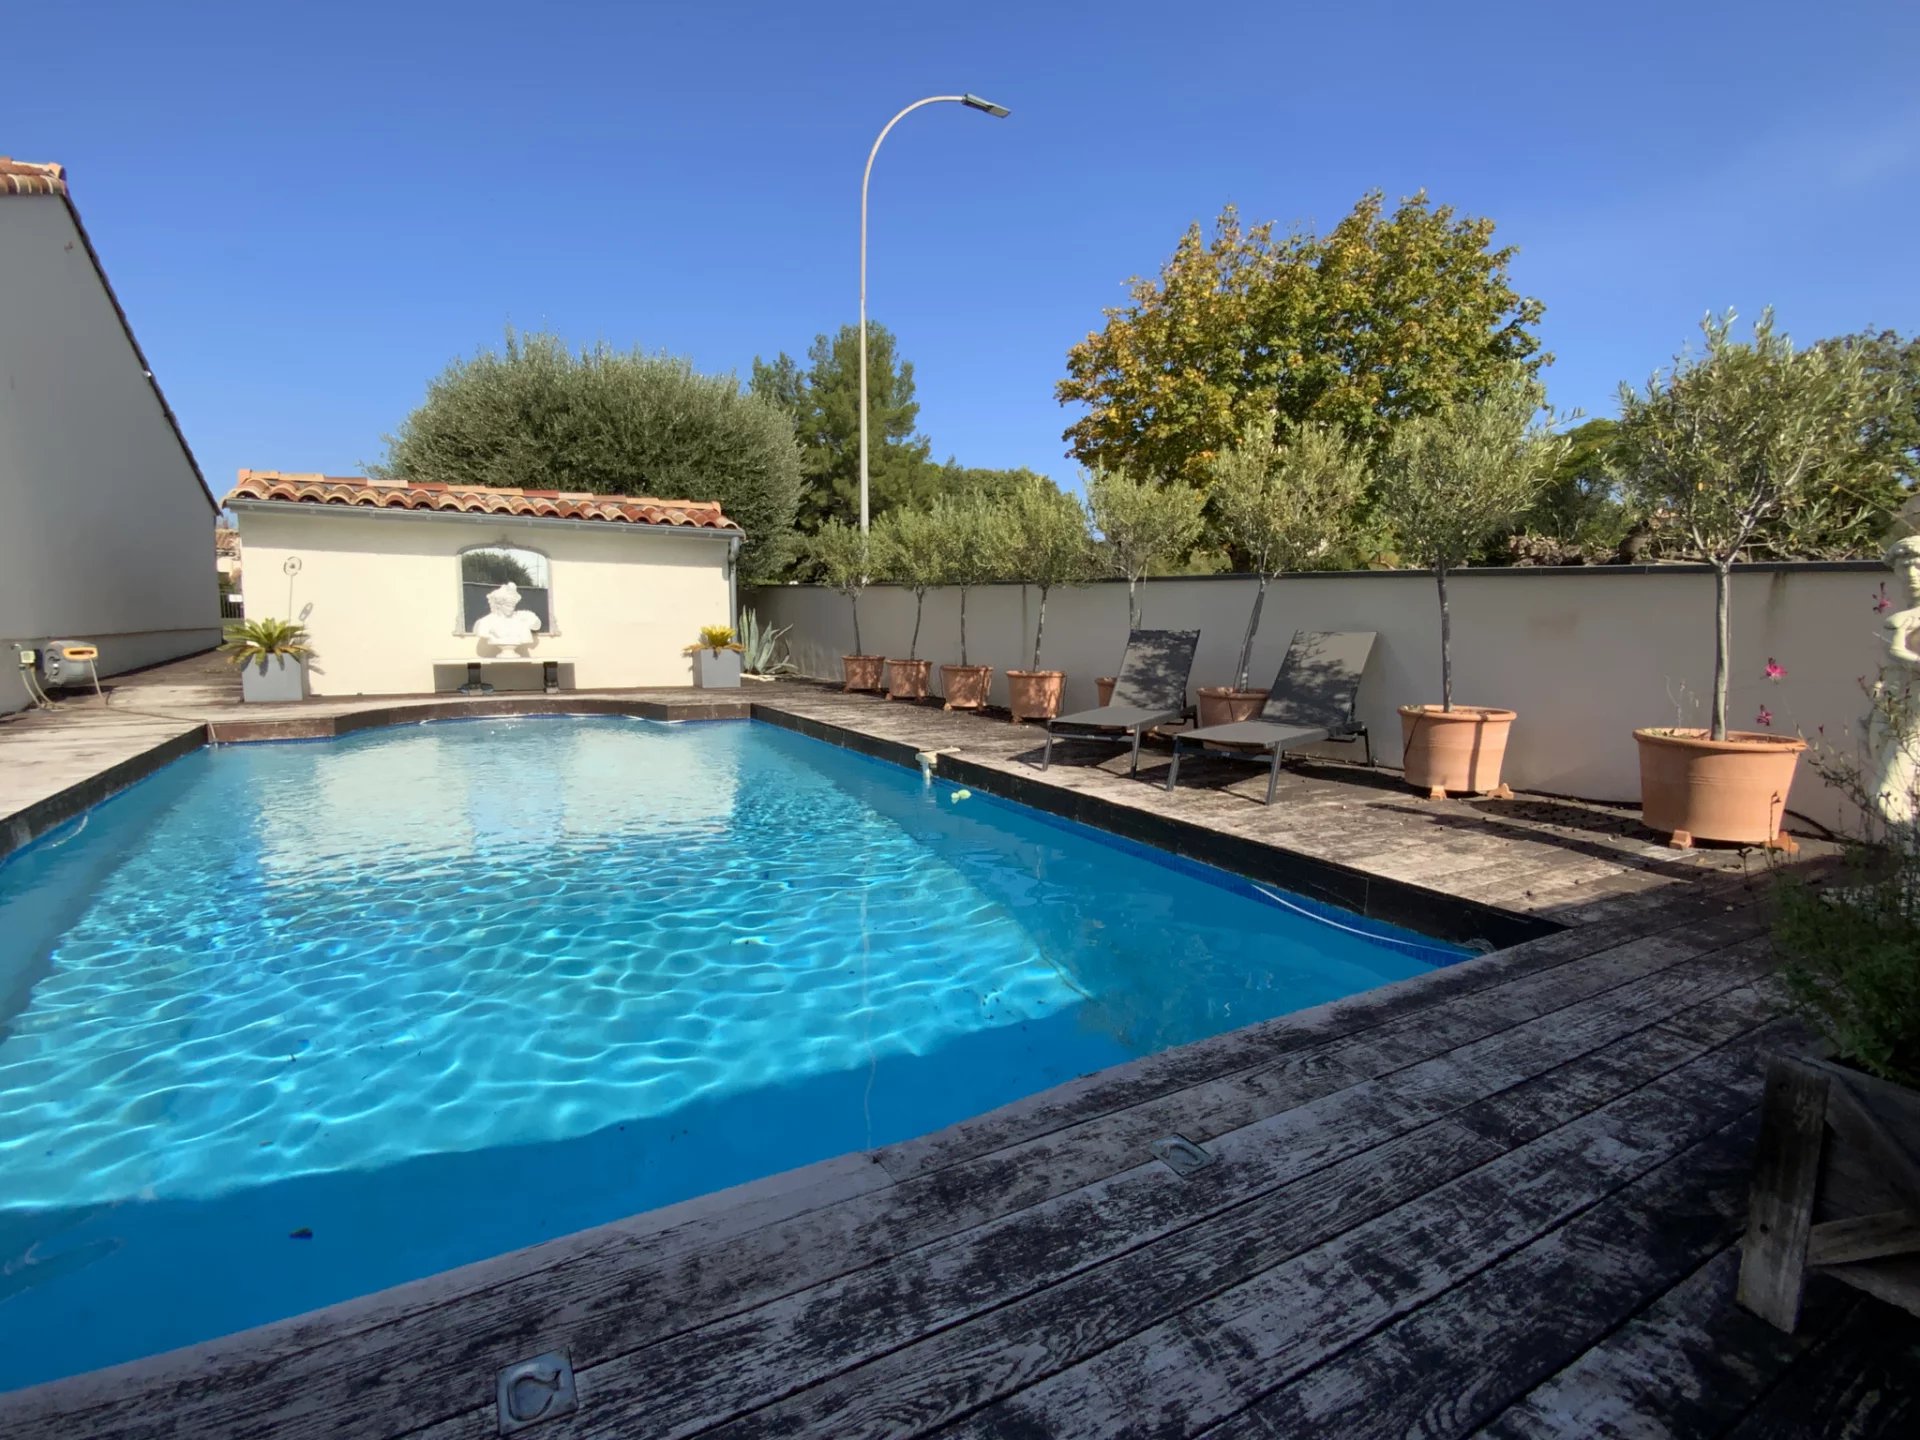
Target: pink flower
[(1775, 670), (1765, 717), (1881, 603)]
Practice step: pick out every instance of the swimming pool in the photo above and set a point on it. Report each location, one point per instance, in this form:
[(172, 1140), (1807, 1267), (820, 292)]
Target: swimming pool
[(289, 1023)]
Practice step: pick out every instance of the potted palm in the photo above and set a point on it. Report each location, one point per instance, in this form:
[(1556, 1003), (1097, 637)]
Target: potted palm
[(716, 658), (1453, 481), (906, 551), (272, 657), (844, 557), (1747, 446), (1282, 505), (1042, 535), (1142, 526), (969, 556)]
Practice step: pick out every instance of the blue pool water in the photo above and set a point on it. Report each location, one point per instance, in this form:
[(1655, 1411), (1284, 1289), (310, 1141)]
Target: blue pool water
[(284, 1024)]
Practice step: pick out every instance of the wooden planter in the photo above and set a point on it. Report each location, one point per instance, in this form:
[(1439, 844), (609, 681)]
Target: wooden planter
[(1836, 1189)]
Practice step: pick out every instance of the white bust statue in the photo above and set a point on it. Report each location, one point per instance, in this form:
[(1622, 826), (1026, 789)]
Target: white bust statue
[(506, 626), (1893, 729)]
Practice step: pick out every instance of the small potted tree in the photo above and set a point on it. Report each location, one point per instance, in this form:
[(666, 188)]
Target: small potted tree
[(1281, 505), (1142, 525), (1453, 481), (906, 551), (1747, 446), (844, 557), (1042, 534), (272, 658), (969, 556)]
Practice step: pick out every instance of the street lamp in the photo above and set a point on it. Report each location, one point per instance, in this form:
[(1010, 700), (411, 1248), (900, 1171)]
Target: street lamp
[(972, 102)]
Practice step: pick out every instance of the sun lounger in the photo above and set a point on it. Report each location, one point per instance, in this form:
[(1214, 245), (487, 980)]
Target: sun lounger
[(1312, 700), (1150, 690)]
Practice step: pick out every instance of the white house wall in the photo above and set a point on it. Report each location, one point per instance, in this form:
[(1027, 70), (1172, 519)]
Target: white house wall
[(1584, 655), (105, 529), (379, 594)]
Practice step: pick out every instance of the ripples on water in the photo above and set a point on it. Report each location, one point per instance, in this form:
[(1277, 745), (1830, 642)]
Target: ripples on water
[(435, 993)]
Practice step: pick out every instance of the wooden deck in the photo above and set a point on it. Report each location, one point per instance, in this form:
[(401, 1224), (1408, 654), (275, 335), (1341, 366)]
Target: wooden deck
[(1500, 1199)]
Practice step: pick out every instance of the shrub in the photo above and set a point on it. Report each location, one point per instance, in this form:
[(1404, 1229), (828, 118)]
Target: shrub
[(537, 415)]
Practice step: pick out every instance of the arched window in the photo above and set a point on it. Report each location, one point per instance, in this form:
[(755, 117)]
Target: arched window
[(485, 568)]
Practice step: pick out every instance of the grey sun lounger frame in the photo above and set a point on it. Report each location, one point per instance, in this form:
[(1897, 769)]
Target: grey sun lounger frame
[(1312, 700), (1150, 690)]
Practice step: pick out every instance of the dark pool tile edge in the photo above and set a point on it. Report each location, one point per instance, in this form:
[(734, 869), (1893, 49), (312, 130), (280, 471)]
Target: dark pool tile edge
[(1428, 912), (23, 827)]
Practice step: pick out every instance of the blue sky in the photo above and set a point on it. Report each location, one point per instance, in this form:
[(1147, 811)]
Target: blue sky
[(308, 210)]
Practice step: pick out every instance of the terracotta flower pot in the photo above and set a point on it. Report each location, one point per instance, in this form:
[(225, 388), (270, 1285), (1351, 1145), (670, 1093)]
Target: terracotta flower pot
[(1103, 687), (907, 679), (1222, 704), (1459, 749), (964, 687), (1034, 694), (1735, 789), (861, 672)]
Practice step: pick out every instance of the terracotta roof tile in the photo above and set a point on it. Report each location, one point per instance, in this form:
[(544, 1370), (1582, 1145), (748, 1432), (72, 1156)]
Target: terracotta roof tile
[(24, 177), (476, 500)]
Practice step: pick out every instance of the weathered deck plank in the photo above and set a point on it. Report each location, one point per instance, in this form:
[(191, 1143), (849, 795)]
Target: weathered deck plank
[(1203, 1365), (1686, 1369), (958, 1367)]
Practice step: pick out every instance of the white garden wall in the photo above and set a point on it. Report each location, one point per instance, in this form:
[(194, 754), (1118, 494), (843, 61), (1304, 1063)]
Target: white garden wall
[(1585, 655)]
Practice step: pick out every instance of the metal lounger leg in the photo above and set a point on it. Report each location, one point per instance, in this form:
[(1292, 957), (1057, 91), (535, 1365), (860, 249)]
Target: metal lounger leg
[(1139, 733), (1173, 770), (1273, 775), (1046, 759)]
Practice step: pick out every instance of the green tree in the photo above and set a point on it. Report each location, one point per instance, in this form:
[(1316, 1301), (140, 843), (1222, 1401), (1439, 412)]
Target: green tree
[(1285, 505), (1041, 532), (538, 415), (965, 527), (1142, 526), (907, 550), (844, 558), (823, 402), (1384, 318), (1581, 504), (1453, 479), (1752, 445), (953, 478)]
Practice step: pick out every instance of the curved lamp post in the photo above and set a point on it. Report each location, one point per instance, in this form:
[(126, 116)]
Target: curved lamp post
[(972, 102)]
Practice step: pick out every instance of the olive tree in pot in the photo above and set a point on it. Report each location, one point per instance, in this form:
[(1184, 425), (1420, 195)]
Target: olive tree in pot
[(969, 555), (1142, 525), (1041, 532), (1746, 447), (1451, 482), (906, 552), (1282, 504), (845, 559)]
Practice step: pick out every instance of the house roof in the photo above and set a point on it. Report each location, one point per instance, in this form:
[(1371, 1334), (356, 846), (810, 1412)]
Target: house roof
[(20, 178), (379, 495)]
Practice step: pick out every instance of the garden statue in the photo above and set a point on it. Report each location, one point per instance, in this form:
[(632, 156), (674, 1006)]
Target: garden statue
[(505, 625), (1893, 729)]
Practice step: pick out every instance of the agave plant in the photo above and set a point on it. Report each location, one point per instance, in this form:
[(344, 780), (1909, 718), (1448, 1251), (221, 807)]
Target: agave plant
[(247, 642), (757, 646)]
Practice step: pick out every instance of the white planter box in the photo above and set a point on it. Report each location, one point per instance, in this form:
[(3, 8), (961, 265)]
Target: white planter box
[(273, 680), (716, 670)]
